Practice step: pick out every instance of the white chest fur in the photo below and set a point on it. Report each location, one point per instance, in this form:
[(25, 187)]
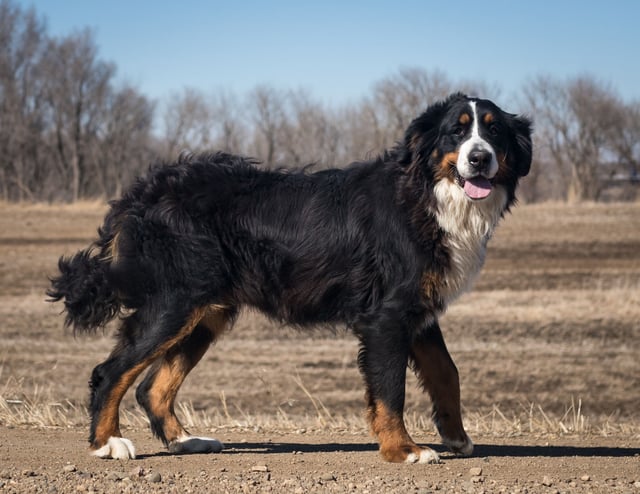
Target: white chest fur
[(468, 225)]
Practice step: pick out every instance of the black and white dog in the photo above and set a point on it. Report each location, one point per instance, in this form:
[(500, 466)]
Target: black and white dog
[(381, 246)]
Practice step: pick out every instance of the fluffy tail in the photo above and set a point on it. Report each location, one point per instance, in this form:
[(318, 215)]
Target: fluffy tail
[(89, 299)]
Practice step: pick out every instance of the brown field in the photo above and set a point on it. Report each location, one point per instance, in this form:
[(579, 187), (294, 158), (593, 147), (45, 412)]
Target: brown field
[(547, 345)]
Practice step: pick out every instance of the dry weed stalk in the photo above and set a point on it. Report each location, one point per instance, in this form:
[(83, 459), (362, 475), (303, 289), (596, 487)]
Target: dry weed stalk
[(16, 409)]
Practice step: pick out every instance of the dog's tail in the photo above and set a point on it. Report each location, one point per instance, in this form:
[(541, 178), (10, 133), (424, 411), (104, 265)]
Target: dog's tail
[(90, 301)]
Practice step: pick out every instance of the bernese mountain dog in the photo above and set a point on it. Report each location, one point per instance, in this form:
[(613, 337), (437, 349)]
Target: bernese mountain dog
[(380, 247)]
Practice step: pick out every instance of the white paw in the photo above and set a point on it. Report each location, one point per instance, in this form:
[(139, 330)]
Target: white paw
[(425, 456), (117, 448), (193, 444), (462, 448)]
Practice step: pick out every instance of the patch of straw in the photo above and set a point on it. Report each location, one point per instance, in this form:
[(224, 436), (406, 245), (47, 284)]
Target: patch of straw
[(39, 410)]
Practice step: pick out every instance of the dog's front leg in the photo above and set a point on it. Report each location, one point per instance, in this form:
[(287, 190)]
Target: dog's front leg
[(383, 361), (439, 377)]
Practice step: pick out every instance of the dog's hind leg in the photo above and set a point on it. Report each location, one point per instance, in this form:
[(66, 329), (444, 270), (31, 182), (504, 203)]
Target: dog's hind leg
[(383, 361), (157, 392), (145, 335), (439, 377)]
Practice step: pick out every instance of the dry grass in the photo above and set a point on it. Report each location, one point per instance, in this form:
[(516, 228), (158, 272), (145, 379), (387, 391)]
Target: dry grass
[(40, 411), (97, 205)]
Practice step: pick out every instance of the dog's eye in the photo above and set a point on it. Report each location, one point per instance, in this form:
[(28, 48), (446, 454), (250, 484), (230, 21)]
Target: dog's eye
[(458, 131), (494, 129)]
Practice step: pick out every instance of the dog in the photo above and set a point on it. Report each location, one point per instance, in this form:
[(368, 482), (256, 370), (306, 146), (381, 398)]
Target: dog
[(381, 247)]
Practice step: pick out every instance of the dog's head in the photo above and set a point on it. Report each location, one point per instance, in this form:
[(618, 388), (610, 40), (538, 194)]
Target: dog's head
[(472, 143)]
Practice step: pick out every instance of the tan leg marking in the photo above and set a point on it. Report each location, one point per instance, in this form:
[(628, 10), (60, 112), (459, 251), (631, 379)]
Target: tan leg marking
[(108, 424), (439, 377), (395, 443), (174, 368)]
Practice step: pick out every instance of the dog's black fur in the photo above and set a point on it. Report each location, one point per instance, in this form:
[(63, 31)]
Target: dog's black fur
[(191, 243)]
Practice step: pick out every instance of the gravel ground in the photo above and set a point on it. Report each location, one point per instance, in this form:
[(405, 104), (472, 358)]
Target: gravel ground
[(56, 461)]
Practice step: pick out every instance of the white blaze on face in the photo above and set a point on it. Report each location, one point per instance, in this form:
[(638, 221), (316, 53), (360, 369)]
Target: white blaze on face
[(475, 143)]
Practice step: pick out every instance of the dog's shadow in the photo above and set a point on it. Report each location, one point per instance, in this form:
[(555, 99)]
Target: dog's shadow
[(556, 451), (480, 450)]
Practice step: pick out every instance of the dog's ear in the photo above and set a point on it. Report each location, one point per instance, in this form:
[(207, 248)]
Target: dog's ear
[(422, 133), (522, 152)]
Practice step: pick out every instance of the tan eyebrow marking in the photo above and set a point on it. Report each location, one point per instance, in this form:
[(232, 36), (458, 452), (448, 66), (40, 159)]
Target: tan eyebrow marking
[(488, 118)]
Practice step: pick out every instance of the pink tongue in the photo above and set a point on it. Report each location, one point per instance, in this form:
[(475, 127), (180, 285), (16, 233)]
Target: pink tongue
[(477, 187)]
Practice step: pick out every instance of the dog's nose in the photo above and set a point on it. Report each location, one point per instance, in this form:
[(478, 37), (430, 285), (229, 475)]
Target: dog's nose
[(479, 159)]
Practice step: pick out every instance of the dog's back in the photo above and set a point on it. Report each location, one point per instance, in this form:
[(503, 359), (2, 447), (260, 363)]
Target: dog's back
[(305, 248)]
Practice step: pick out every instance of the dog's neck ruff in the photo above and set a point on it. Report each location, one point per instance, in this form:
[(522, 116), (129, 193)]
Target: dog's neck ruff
[(468, 226)]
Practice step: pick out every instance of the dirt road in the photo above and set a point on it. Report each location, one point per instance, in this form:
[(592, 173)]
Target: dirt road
[(52, 461)]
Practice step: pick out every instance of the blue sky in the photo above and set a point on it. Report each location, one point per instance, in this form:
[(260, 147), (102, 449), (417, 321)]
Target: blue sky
[(338, 49)]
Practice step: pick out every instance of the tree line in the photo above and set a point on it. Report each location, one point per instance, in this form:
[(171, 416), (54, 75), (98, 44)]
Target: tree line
[(69, 130)]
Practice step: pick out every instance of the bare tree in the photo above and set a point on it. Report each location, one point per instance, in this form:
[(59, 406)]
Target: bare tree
[(229, 120), (363, 133), (625, 144), (400, 97), (76, 88), (187, 123), (585, 128), (266, 105), (21, 45), (124, 146), (309, 133)]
